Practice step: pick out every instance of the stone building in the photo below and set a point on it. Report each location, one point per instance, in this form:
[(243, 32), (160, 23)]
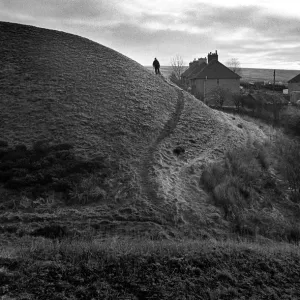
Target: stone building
[(204, 77), (294, 84)]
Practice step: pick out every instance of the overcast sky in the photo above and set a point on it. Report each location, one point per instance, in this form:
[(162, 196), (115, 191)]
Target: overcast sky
[(260, 33)]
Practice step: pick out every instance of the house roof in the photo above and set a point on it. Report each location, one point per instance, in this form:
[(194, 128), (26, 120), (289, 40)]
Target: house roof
[(215, 70), (295, 79), (193, 69)]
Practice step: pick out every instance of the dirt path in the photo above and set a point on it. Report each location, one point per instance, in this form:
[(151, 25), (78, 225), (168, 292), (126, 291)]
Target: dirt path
[(149, 186)]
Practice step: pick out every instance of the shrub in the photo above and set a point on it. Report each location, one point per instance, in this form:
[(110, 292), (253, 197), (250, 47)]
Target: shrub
[(44, 169), (51, 232), (217, 95), (293, 233), (87, 190), (212, 176), (3, 144), (237, 100), (228, 195), (263, 157), (41, 146), (289, 162), (233, 183), (21, 148)]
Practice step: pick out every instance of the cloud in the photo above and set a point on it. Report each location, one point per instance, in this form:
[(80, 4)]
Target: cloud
[(144, 29)]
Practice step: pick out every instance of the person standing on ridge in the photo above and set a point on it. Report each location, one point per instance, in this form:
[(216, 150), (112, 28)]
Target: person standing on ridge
[(156, 65)]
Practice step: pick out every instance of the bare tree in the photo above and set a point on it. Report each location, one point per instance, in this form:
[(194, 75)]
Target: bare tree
[(217, 95), (237, 100), (234, 65), (177, 66)]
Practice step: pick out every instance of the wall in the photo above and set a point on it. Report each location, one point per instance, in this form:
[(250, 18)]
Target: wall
[(294, 96), (233, 85), (294, 86)]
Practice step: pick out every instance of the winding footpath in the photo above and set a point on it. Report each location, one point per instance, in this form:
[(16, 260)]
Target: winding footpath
[(149, 186)]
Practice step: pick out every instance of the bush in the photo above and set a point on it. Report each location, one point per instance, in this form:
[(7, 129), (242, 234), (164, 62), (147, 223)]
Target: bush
[(237, 100), (88, 190), (230, 196), (212, 176), (21, 148), (41, 146), (3, 144), (289, 163), (55, 168), (217, 96), (235, 182), (51, 232), (293, 233)]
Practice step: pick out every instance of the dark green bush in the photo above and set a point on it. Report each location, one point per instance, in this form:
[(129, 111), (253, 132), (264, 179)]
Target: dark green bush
[(48, 168)]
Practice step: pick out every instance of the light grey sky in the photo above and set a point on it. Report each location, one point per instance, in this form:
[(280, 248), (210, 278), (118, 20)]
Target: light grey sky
[(260, 33)]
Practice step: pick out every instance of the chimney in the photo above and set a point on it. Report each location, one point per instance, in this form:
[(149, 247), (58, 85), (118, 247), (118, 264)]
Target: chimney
[(212, 56), (202, 60)]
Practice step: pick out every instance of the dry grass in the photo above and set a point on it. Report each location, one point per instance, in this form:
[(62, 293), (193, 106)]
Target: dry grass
[(257, 188), (140, 269)]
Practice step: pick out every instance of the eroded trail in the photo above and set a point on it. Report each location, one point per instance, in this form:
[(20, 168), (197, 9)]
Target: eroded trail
[(149, 186)]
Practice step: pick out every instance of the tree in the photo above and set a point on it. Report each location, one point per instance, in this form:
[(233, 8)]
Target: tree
[(217, 95), (234, 65), (237, 100), (177, 66)]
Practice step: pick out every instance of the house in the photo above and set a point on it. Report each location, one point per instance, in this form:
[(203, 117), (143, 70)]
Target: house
[(294, 96), (194, 67), (294, 88), (213, 75)]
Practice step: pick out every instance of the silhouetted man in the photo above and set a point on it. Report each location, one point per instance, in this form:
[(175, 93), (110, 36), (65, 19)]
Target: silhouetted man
[(156, 65)]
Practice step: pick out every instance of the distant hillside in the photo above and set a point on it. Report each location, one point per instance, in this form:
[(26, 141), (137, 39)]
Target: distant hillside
[(250, 74), (64, 88)]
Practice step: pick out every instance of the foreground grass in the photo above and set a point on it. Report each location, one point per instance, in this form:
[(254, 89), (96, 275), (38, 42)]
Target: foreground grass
[(142, 269)]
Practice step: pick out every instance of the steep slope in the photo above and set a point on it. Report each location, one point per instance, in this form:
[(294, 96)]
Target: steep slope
[(61, 87)]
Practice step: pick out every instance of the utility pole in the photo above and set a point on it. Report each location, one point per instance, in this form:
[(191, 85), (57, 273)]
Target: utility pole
[(274, 81)]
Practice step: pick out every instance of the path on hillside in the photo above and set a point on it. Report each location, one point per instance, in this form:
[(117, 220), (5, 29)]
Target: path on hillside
[(149, 186)]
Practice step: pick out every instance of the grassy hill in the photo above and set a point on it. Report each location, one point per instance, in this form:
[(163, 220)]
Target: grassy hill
[(95, 148), (57, 87)]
